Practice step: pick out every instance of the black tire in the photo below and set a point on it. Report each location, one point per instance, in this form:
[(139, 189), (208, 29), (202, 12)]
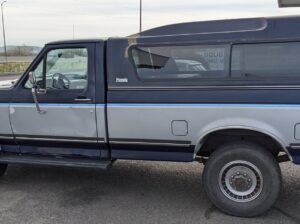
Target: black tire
[(3, 168), (228, 191)]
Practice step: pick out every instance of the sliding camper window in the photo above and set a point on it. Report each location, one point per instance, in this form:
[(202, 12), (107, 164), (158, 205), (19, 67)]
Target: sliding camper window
[(181, 63), (267, 61)]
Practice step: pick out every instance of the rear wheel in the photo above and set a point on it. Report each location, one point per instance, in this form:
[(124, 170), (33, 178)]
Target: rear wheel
[(242, 179), (3, 168)]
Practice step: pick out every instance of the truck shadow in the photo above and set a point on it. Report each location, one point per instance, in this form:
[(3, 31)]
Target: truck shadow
[(139, 189)]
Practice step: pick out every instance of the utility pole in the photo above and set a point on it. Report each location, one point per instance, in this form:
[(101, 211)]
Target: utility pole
[(141, 9), (5, 52)]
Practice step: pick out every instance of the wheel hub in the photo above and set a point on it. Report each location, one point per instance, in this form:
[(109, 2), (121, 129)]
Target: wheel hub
[(240, 181)]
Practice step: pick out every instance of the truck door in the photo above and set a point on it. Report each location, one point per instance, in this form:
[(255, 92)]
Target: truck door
[(63, 122)]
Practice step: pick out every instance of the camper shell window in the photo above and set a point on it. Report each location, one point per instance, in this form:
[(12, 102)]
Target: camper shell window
[(266, 61), (181, 63)]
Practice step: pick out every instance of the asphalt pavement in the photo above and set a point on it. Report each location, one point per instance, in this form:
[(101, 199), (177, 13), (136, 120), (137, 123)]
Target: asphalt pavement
[(130, 192), (9, 76)]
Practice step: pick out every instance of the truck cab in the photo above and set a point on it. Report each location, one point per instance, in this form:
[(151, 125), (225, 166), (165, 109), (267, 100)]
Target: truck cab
[(61, 112)]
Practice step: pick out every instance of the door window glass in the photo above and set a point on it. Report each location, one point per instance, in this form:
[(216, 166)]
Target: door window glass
[(67, 68)]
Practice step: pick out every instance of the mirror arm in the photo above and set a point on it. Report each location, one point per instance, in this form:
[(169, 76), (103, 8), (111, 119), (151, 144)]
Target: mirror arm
[(33, 90)]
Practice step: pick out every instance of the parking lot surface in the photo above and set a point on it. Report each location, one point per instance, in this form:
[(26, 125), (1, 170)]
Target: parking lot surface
[(130, 192)]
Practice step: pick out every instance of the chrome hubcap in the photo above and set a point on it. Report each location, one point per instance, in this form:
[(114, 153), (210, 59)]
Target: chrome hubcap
[(240, 181)]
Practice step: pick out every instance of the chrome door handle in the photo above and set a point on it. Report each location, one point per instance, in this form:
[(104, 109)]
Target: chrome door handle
[(82, 99), (41, 91)]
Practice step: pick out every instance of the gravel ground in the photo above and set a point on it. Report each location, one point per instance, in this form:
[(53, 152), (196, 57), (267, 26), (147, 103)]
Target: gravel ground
[(130, 192)]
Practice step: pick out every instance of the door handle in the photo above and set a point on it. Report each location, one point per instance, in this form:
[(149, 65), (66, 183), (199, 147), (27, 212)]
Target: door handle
[(41, 91), (82, 99)]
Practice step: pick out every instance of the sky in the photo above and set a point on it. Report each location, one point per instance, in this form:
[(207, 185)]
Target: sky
[(36, 22)]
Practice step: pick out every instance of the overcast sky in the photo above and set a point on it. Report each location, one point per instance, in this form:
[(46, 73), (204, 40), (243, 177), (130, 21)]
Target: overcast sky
[(35, 22)]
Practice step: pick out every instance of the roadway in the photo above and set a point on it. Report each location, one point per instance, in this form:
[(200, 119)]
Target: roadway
[(131, 192), (9, 76)]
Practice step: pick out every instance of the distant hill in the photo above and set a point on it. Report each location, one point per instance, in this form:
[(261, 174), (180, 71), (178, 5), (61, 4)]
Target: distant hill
[(15, 50)]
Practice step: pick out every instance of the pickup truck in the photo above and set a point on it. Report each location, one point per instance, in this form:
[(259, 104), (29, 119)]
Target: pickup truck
[(224, 93)]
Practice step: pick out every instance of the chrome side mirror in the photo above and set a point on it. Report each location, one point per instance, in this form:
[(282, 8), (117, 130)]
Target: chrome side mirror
[(32, 78)]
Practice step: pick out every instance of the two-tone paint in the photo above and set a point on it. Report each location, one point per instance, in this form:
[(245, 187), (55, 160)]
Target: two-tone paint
[(149, 120)]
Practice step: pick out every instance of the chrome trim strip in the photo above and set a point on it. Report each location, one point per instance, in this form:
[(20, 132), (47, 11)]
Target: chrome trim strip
[(295, 146), (167, 88), (151, 143), (60, 140), (6, 137)]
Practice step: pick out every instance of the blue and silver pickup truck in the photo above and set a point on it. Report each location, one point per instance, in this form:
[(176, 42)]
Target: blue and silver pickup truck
[(225, 93)]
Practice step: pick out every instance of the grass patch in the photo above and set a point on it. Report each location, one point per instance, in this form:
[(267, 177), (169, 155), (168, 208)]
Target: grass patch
[(13, 67)]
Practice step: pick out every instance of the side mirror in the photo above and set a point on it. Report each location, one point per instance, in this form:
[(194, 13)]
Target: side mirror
[(32, 79), (33, 91)]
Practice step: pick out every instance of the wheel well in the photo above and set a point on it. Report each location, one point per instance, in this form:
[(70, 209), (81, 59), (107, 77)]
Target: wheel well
[(215, 139)]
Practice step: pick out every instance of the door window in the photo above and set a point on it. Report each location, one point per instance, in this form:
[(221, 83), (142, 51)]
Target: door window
[(65, 69)]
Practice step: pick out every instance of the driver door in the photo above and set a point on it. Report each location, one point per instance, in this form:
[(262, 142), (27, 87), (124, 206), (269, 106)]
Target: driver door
[(66, 124)]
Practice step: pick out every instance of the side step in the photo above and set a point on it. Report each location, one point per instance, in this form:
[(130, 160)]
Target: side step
[(54, 161)]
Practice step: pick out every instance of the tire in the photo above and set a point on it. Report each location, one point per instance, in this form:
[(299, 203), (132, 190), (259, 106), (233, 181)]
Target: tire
[(3, 168), (242, 179)]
